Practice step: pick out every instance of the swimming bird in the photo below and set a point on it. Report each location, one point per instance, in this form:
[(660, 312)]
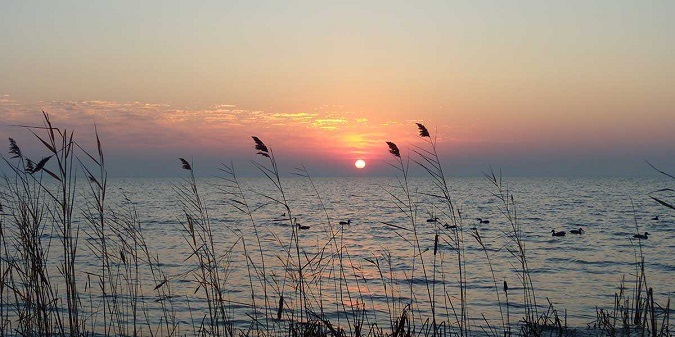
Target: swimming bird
[(299, 225), (432, 220), (554, 233), (577, 231), (641, 236), (482, 220), (655, 218), (349, 221), (506, 286), (450, 226)]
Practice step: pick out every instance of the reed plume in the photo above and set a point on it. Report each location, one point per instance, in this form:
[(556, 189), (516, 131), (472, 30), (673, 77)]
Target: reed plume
[(30, 166), (423, 130), (40, 165), (393, 149), (261, 147), (186, 165), (14, 149)]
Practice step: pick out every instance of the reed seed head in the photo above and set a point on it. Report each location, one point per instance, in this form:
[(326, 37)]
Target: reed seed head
[(260, 146), (14, 149), (186, 165), (393, 149), (423, 130), (40, 165), (30, 166)]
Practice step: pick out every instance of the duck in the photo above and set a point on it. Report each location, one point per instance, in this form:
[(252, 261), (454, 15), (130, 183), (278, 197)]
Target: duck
[(641, 236), (554, 233), (432, 220), (655, 217), (348, 222), (447, 226), (299, 225), (482, 220), (577, 231)]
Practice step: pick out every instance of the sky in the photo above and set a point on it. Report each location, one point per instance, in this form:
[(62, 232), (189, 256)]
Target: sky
[(529, 87)]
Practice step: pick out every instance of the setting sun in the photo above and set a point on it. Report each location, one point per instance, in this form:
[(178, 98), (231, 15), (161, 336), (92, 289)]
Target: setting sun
[(360, 163)]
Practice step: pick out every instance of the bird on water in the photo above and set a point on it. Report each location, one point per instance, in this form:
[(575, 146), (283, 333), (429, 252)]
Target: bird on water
[(348, 222), (577, 231), (299, 225), (554, 233), (641, 236)]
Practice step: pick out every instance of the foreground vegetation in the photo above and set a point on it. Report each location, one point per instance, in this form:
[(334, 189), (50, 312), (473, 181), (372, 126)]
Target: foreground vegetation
[(46, 225)]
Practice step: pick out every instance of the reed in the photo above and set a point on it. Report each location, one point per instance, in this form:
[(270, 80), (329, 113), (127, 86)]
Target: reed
[(635, 312), (212, 264), (39, 209), (234, 194), (25, 275), (427, 158), (514, 235)]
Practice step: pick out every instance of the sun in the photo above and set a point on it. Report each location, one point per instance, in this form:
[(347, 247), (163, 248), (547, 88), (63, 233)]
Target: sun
[(360, 163)]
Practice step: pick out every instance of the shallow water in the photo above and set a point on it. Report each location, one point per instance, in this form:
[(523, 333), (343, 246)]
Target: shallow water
[(576, 273)]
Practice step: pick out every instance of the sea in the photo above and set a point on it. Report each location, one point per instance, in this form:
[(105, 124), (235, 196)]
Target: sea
[(399, 250)]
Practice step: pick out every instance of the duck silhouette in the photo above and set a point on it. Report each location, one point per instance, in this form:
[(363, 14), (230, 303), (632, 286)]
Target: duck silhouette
[(299, 225), (554, 233), (482, 220), (446, 226), (641, 236), (348, 222), (432, 220), (577, 231), (655, 217)]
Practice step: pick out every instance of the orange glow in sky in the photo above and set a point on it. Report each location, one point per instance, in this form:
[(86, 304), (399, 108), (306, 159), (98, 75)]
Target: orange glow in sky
[(523, 86)]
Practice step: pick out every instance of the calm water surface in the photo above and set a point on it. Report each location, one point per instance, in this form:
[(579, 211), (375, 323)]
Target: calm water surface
[(577, 273)]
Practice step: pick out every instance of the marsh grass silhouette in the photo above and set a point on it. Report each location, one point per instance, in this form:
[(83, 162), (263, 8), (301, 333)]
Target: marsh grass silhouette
[(635, 312), (321, 289)]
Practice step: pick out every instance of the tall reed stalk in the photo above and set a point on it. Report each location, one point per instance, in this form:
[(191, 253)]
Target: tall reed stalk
[(517, 249), (236, 198), (427, 158), (61, 146), (270, 169), (199, 235), (26, 272)]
